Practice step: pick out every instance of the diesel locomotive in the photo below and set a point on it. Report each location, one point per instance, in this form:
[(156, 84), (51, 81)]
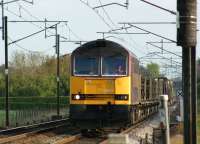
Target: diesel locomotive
[(108, 88)]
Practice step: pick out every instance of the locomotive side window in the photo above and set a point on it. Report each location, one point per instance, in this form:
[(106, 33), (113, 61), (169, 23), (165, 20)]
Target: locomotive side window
[(86, 65), (114, 65)]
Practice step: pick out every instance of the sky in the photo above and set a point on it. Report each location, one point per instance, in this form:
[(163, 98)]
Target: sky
[(84, 23)]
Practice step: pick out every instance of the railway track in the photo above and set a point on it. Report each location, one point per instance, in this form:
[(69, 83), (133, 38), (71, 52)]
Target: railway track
[(68, 139), (126, 131), (79, 139), (39, 132), (34, 127), (10, 135)]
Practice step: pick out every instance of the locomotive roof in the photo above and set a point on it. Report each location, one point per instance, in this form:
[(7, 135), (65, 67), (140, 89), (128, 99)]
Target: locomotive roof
[(103, 43)]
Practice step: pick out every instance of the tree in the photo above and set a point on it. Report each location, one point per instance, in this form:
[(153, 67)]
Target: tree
[(33, 74), (154, 69)]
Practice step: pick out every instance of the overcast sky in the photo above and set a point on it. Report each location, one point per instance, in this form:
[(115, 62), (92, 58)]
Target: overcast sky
[(84, 22)]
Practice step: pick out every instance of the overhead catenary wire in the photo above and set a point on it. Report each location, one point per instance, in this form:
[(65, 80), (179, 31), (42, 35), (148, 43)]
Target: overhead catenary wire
[(21, 17), (117, 28), (123, 40), (70, 30), (108, 16), (162, 8), (122, 33), (114, 3), (172, 41), (106, 23), (180, 64), (142, 29), (31, 35), (38, 20), (32, 22), (139, 23), (161, 58), (126, 30), (111, 28), (174, 64), (147, 32), (164, 49), (30, 14), (149, 23), (12, 1), (30, 51), (120, 28)]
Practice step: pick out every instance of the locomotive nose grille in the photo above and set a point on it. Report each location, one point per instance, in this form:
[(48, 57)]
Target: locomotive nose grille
[(99, 86)]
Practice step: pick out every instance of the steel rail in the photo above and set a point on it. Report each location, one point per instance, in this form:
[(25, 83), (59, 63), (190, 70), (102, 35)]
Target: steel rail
[(33, 127)]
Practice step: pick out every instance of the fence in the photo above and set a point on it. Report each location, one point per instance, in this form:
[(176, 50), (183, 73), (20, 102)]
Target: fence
[(31, 110)]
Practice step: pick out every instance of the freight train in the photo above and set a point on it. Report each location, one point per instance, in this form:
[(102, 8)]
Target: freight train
[(109, 88)]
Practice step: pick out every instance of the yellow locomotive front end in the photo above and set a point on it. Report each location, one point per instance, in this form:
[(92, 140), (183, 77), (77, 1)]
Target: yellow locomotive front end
[(100, 90), (101, 87)]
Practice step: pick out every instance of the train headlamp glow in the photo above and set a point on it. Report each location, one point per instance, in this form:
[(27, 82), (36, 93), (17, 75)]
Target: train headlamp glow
[(77, 97), (125, 97)]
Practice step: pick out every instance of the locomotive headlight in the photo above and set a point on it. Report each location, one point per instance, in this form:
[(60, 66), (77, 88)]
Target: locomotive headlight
[(125, 97), (77, 97)]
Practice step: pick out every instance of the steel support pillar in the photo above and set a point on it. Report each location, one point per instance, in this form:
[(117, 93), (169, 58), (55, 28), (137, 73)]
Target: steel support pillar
[(58, 73), (6, 70), (187, 38), (189, 94)]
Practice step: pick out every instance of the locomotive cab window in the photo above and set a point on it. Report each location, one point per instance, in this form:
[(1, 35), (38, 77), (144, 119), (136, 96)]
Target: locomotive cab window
[(86, 65), (114, 65)]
